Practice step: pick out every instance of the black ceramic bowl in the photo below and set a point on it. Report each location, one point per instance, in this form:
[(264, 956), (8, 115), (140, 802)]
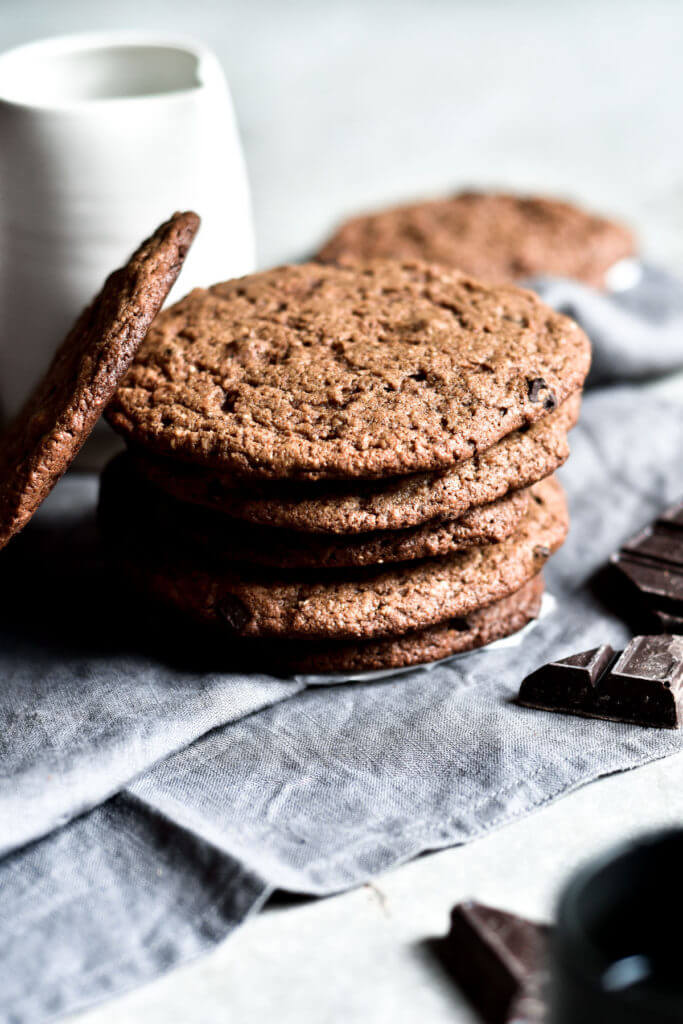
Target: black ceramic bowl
[(617, 954)]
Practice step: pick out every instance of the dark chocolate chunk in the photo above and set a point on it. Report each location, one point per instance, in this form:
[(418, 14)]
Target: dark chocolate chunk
[(568, 683), (668, 623), (234, 611), (535, 387), (538, 391), (642, 685), (659, 587), (648, 675), (499, 962), (662, 546), (652, 565)]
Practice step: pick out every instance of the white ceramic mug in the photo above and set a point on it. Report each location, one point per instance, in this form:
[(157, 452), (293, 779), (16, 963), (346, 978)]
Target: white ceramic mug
[(102, 137)]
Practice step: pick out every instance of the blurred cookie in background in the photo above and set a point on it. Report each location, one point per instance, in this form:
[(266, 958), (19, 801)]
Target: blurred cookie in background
[(497, 237)]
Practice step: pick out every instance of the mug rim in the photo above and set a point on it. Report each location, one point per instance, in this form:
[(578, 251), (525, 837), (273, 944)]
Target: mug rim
[(80, 42)]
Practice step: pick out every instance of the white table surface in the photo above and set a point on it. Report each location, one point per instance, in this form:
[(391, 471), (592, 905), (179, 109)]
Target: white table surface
[(344, 105)]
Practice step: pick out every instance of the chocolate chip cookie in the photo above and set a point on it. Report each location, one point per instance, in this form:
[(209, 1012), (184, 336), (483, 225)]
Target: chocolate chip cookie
[(321, 372), (44, 438)]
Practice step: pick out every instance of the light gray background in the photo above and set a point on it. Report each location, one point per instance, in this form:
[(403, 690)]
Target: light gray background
[(343, 106), (346, 104)]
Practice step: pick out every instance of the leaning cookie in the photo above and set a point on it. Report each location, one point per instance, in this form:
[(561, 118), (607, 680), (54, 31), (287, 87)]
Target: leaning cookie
[(352, 507), (361, 603), (128, 502), (46, 435), (328, 373), (495, 237)]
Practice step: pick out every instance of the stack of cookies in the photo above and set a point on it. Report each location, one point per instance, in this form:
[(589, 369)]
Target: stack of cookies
[(346, 468)]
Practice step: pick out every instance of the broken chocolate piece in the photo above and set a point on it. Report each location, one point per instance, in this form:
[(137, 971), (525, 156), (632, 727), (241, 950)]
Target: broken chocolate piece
[(660, 588), (668, 623), (642, 685), (567, 683), (652, 564), (657, 545), (498, 960)]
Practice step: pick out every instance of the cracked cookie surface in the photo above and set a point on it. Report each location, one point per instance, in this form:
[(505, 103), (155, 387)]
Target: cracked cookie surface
[(319, 372)]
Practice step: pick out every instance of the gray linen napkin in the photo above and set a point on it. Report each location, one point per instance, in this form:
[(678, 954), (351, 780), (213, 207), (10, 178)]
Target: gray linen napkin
[(313, 790), (636, 333), (87, 702)]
